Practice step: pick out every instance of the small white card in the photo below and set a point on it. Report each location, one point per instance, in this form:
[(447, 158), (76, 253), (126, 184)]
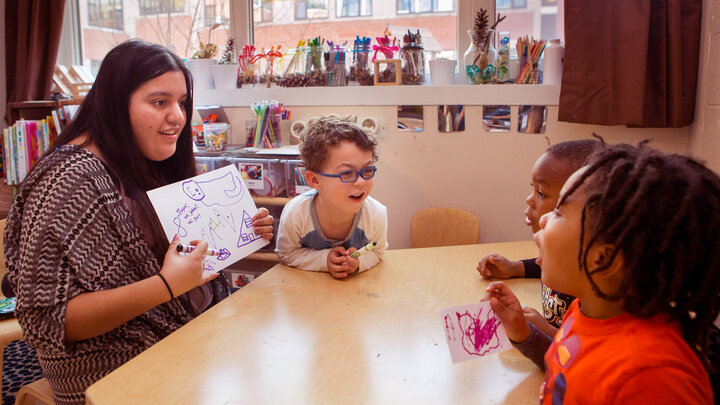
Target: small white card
[(215, 207), (473, 331)]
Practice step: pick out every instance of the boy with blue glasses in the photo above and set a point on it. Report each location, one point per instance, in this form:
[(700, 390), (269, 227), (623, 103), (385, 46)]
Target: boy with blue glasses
[(321, 229)]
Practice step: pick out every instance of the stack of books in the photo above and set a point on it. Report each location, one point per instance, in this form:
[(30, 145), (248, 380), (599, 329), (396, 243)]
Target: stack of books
[(26, 140)]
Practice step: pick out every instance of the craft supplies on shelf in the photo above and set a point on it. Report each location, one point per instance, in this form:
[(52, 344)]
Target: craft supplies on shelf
[(268, 132), (412, 56), (248, 66), (335, 65), (387, 68), (295, 176), (360, 69), (216, 135), (529, 52)]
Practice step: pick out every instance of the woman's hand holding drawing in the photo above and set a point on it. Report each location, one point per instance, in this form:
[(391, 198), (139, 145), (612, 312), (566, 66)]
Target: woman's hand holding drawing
[(263, 223), (185, 272), (508, 309)]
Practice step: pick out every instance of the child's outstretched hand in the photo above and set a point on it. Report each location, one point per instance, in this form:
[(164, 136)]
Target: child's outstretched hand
[(508, 309), (337, 262), (496, 266)]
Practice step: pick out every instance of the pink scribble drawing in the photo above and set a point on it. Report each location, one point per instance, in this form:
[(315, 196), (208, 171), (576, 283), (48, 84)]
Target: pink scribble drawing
[(449, 327), (479, 338)]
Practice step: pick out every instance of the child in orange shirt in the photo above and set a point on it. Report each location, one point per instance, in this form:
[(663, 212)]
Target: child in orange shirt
[(549, 173), (635, 237)]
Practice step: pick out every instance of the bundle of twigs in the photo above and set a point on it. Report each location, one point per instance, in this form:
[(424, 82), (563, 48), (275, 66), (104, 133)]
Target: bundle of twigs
[(482, 35)]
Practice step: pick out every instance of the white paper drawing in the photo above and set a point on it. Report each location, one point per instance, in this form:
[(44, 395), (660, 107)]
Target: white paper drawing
[(473, 331), (215, 207)]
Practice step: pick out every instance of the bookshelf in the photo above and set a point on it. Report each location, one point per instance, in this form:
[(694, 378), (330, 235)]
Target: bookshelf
[(28, 110), (35, 110)]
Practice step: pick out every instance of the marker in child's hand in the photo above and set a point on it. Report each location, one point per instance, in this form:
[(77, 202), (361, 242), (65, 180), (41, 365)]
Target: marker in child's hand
[(190, 248), (363, 249)]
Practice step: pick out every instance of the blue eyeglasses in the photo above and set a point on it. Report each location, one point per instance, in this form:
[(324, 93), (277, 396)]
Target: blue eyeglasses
[(350, 176)]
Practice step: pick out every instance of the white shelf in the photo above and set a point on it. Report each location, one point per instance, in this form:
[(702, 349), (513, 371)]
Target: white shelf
[(487, 94)]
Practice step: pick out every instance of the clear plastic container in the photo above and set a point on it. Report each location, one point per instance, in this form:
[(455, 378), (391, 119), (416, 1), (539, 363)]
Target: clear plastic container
[(263, 177), (203, 164), (295, 177)]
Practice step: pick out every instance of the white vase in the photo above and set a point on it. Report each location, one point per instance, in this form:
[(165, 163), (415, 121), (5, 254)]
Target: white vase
[(553, 64), (201, 73), (225, 76)]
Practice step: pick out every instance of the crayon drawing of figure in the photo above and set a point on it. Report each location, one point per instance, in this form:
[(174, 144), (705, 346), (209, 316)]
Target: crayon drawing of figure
[(223, 191)]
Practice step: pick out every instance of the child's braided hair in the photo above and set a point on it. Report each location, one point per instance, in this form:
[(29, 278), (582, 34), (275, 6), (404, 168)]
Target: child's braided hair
[(663, 213)]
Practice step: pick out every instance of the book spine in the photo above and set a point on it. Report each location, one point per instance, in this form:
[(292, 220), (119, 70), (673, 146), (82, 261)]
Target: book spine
[(46, 135), (6, 154), (13, 154), (31, 132), (22, 154)]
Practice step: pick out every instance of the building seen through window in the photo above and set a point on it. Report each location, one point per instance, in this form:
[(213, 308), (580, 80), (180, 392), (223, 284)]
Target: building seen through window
[(105, 13), (182, 24), (149, 7), (178, 24)]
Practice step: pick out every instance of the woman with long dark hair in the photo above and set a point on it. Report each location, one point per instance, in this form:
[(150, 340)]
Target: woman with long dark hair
[(96, 280)]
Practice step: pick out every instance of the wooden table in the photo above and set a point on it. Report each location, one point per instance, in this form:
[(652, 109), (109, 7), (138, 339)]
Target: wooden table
[(295, 337)]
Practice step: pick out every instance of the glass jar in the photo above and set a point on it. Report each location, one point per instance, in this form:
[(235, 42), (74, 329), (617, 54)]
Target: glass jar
[(360, 71), (336, 66), (313, 57), (293, 70), (412, 56), (480, 63), (385, 51), (502, 72)]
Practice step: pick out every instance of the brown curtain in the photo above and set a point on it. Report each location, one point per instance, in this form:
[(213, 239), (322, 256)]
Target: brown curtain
[(631, 62), (32, 37)]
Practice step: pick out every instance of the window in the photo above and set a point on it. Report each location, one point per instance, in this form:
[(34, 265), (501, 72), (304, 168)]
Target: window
[(354, 8), (538, 19), (339, 21), (176, 24), (149, 7), (262, 10), (506, 4), (311, 9), (424, 6), (209, 13), (105, 13)]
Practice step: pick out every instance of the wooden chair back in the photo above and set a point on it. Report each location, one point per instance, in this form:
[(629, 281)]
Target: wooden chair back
[(38, 392), (444, 227)]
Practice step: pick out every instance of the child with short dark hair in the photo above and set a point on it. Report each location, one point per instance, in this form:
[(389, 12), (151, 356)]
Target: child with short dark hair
[(635, 237), (321, 229), (549, 173)]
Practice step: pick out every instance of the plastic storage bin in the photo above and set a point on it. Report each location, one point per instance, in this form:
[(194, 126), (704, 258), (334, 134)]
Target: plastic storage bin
[(263, 177), (295, 175), (204, 164)]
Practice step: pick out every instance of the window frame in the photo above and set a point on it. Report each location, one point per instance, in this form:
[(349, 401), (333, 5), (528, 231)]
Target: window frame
[(295, 11), (141, 8), (113, 19), (433, 4), (338, 8), (241, 20)]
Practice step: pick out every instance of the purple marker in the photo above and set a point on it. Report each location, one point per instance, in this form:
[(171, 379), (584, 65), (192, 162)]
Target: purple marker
[(190, 248)]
